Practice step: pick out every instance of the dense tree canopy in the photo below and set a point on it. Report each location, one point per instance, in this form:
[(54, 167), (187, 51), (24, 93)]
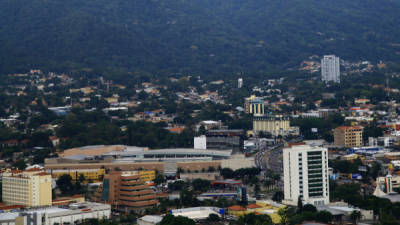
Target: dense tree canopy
[(208, 37), (176, 220), (253, 219)]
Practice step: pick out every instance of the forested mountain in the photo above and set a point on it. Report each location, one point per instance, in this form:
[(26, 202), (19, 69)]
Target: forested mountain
[(192, 36)]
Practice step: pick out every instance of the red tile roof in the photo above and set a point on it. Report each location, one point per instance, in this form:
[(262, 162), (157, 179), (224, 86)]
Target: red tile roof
[(176, 129), (16, 171), (349, 127), (296, 143), (9, 207), (25, 141), (33, 169), (253, 206), (41, 174), (237, 208), (12, 141)]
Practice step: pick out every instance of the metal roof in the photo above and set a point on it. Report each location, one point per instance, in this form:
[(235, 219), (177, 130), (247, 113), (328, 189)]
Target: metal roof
[(173, 151)]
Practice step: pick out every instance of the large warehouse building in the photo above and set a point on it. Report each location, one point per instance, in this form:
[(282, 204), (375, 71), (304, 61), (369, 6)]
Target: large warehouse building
[(137, 158)]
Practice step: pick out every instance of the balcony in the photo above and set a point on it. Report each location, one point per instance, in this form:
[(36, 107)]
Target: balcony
[(138, 198), (134, 193), (132, 177), (138, 187), (139, 204), (131, 183)]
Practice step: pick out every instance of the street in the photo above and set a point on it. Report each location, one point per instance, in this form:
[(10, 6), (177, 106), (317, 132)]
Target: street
[(270, 159)]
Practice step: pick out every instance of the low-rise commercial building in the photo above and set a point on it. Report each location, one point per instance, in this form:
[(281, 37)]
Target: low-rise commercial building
[(135, 154), (149, 220), (95, 150), (388, 184), (220, 140), (198, 213), (341, 211), (258, 208), (90, 175), (209, 124), (203, 175), (72, 214), (132, 158), (163, 167)]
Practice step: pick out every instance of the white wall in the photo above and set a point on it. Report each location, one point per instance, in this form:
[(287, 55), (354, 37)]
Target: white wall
[(291, 169), (200, 142)]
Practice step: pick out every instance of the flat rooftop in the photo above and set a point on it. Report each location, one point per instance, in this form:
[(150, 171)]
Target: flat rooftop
[(75, 208), (196, 213)]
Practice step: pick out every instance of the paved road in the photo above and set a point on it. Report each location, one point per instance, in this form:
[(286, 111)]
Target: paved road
[(270, 158), (274, 160)]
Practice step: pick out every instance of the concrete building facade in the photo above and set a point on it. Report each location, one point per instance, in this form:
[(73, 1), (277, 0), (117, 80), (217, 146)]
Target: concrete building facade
[(220, 140), (200, 142), (93, 175), (330, 69), (71, 214), (254, 105), (159, 166), (29, 188), (126, 191), (348, 136), (388, 184), (306, 175), (274, 124)]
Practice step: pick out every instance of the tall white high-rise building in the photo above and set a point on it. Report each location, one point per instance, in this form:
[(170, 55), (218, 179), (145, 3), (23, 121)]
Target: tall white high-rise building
[(240, 82), (330, 69), (305, 174)]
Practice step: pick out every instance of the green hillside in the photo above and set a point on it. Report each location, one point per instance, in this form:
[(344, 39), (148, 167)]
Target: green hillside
[(205, 37)]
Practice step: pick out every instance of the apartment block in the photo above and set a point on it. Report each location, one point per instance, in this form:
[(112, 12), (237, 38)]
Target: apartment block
[(330, 69), (306, 176), (29, 188), (348, 136)]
